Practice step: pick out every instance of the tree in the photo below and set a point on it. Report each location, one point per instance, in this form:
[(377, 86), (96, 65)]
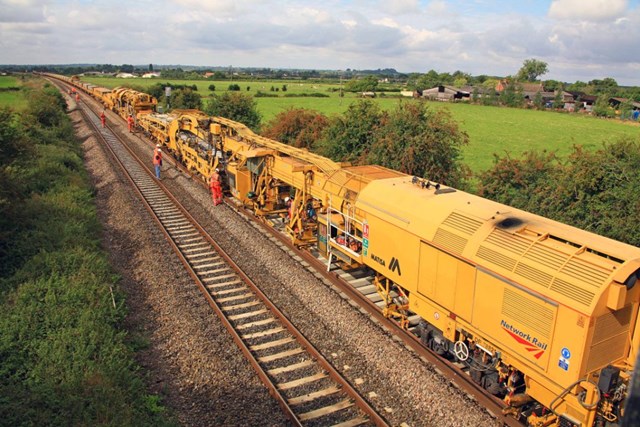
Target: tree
[(365, 84), (521, 182), (553, 85), (605, 86), (538, 101), (601, 108), (212, 87), (475, 96), (150, 67), (298, 127), (578, 86), (531, 69), (235, 106), (350, 136), (558, 100), (460, 82), (186, 99), (428, 80), (626, 109), (421, 141), (234, 87), (512, 95)]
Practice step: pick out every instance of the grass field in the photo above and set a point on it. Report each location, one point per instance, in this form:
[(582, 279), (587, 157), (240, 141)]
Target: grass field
[(11, 98), (490, 129)]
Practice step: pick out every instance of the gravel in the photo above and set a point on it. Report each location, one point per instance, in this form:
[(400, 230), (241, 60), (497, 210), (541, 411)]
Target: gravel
[(189, 358)]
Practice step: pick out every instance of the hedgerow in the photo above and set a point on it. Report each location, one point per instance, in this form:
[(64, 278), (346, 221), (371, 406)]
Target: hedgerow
[(64, 358)]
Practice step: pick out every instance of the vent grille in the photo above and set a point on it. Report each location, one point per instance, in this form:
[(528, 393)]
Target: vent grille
[(462, 223), (612, 323), (534, 274), (609, 338), (573, 292), (527, 312), (588, 273), (510, 242), (546, 256), (496, 258), (450, 241)]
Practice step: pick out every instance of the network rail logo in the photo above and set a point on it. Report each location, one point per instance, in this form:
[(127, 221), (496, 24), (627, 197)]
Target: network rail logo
[(531, 344)]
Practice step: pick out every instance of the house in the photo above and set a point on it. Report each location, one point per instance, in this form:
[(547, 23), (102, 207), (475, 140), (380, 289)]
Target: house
[(576, 100), (616, 102), (445, 93), (526, 87), (480, 90)]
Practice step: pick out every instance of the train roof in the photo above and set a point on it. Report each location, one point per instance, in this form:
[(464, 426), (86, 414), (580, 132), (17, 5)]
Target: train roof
[(572, 265)]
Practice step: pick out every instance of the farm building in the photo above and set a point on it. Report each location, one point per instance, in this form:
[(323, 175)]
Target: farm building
[(445, 93)]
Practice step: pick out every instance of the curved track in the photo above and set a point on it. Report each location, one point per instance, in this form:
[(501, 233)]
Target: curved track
[(309, 390)]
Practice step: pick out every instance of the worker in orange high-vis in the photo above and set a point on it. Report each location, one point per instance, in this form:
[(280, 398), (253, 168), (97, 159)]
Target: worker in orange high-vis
[(157, 161), (130, 122), (216, 187), (103, 119), (77, 97)]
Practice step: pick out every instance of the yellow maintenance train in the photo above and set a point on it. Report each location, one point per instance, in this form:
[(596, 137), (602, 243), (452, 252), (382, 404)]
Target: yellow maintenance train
[(544, 315)]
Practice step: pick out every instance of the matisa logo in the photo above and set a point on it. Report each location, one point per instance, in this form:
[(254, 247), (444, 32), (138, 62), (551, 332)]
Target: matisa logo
[(531, 344), (394, 265)]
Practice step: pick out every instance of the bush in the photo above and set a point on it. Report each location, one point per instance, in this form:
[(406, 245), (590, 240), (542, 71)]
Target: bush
[(302, 95), (63, 357)]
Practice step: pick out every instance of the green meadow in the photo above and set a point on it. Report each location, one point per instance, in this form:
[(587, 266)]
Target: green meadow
[(8, 97), (491, 130)]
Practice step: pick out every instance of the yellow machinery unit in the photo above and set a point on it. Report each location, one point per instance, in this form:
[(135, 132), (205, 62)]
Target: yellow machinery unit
[(544, 315)]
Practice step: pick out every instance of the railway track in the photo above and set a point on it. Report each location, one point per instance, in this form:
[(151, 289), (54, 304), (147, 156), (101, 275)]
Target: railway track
[(308, 389)]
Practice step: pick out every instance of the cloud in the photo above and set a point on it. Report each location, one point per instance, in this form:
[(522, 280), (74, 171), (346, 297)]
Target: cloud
[(398, 7), (587, 10), (22, 10)]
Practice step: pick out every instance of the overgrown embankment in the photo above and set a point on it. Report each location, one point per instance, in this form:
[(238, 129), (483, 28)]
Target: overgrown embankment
[(63, 355)]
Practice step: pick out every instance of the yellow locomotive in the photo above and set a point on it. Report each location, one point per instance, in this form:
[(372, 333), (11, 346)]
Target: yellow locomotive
[(544, 315)]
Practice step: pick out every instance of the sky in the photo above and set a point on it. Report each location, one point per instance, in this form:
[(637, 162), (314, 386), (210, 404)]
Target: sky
[(578, 39)]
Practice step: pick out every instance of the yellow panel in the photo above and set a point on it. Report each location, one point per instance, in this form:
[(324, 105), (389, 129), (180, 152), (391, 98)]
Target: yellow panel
[(465, 291), (446, 280), (393, 252), (520, 321), (447, 277), (428, 271)]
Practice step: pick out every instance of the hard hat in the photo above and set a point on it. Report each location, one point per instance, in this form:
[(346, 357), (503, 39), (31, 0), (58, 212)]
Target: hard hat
[(217, 170), (159, 150), (286, 199), (158, 145)]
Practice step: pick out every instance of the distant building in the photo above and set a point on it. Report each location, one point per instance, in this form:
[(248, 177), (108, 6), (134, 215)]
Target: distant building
[(150, 75), (125, 76), (445, 93)]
